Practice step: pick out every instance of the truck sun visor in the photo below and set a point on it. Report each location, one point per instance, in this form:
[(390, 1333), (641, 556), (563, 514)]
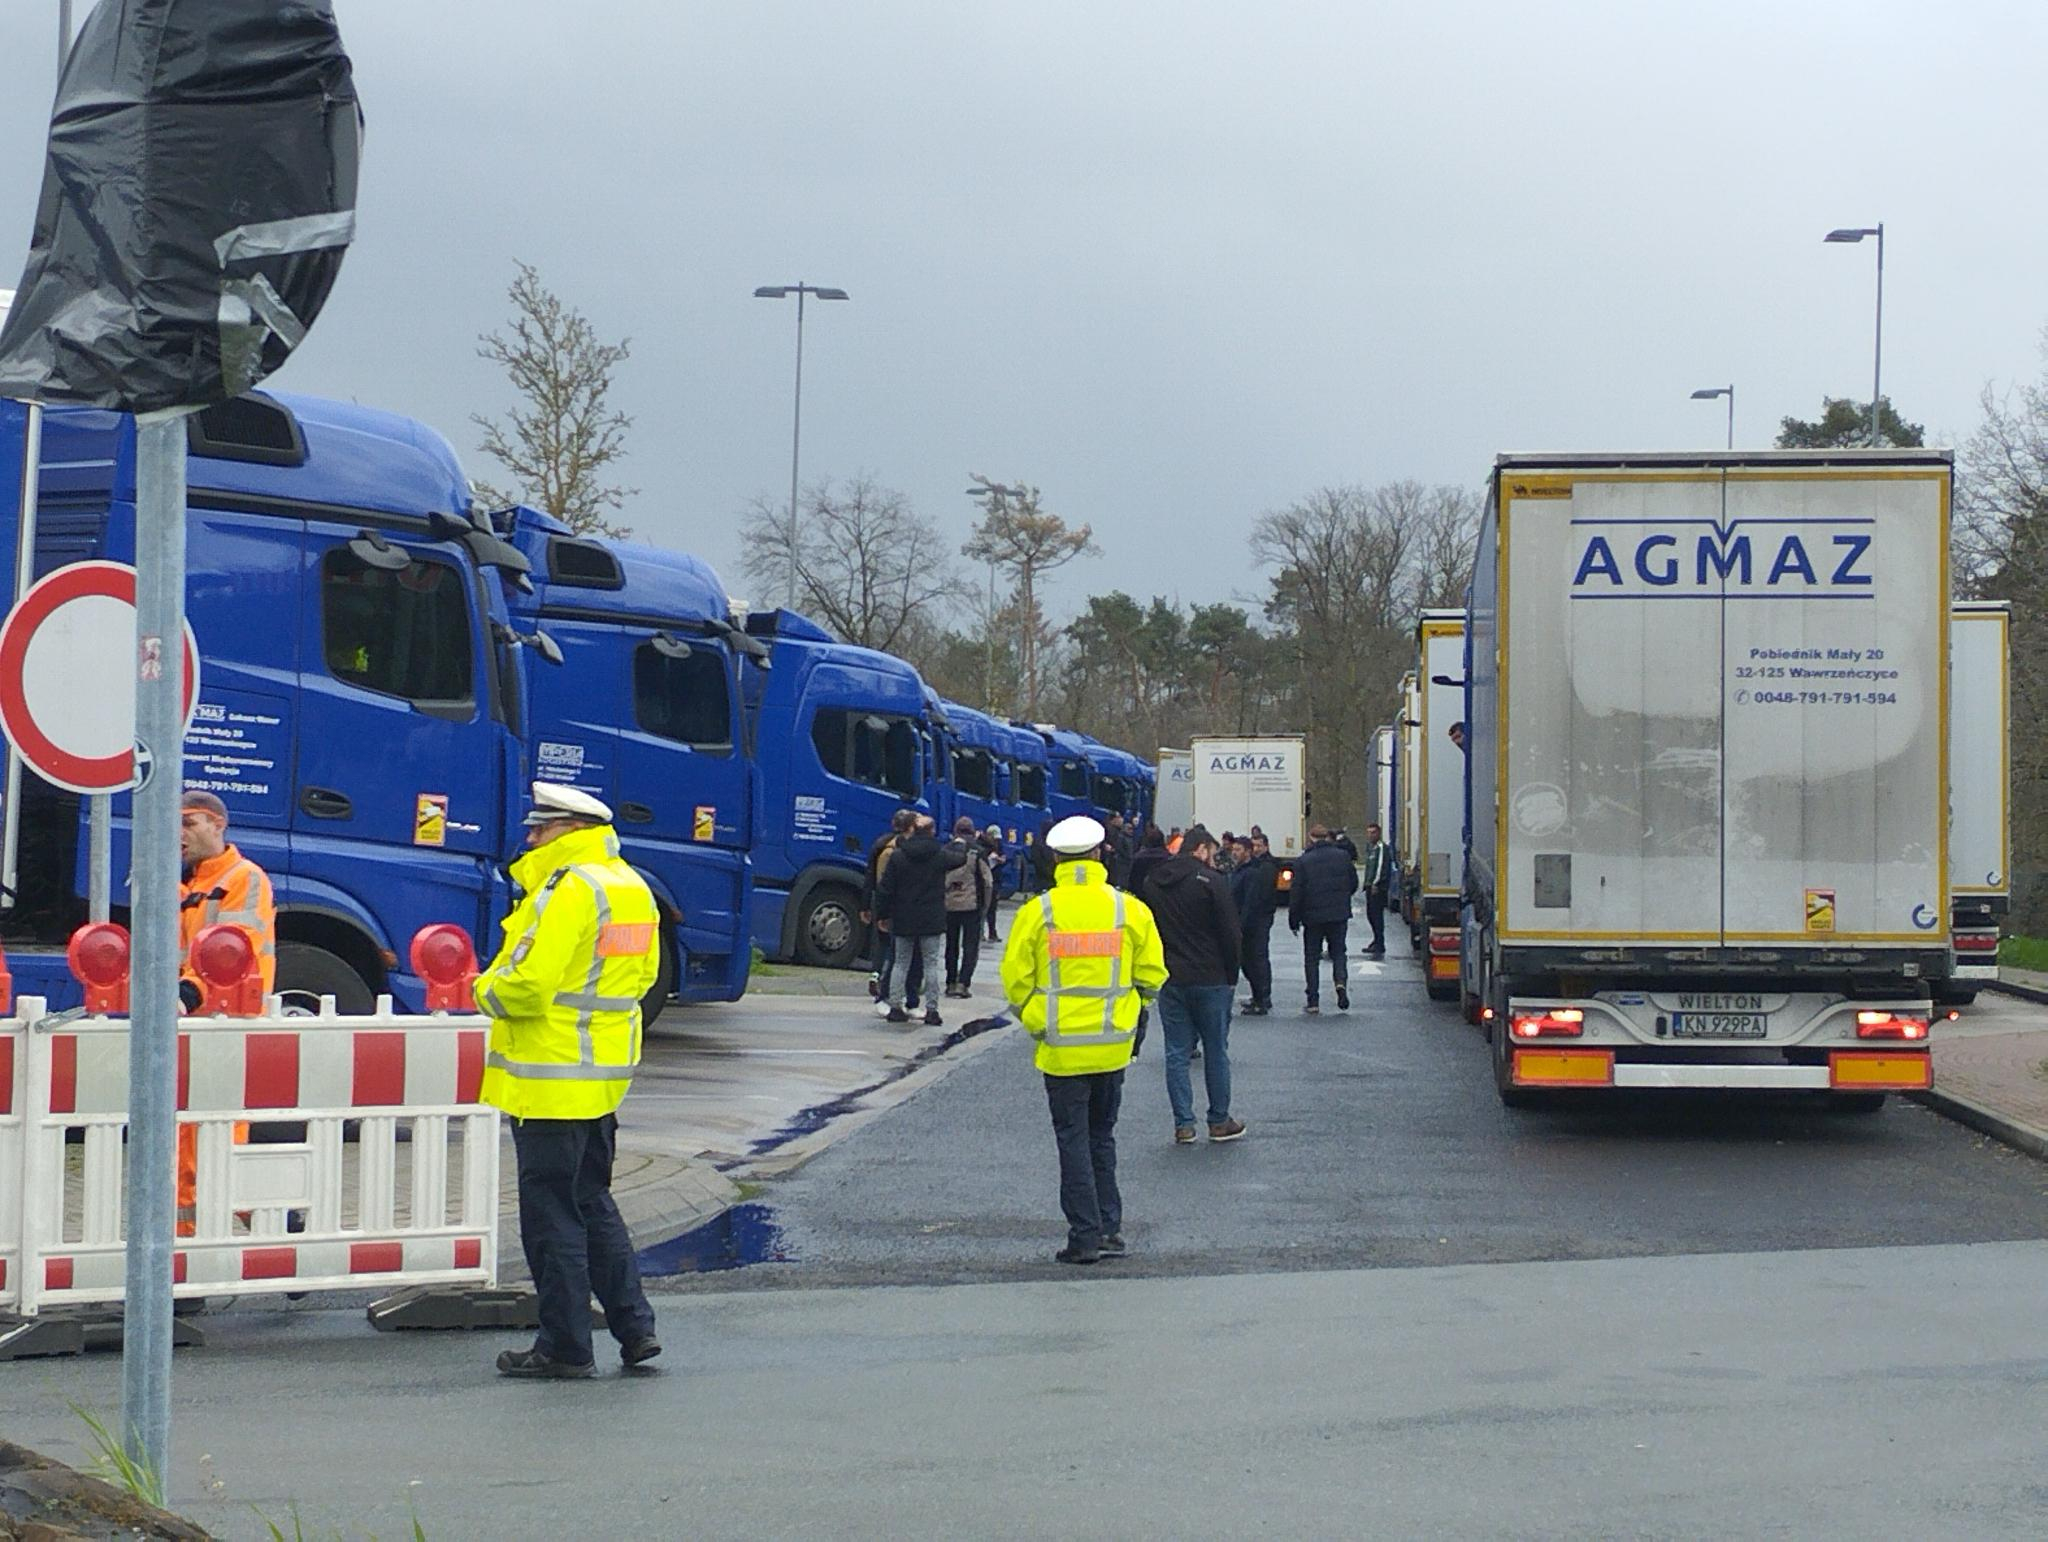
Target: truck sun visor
[(198, 196)]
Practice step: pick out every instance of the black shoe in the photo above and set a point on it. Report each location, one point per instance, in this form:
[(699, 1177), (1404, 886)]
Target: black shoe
[(639, 1352), (897, 1015), (1377, 950), (1073, 1255), (1113, 1246), (932, 1018), (1312, 1010), (874, 987), (1343, 999), (533, 1364)]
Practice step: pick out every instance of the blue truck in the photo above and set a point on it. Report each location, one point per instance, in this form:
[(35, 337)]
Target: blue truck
[(843, 737), (369, 668), (645, 711)]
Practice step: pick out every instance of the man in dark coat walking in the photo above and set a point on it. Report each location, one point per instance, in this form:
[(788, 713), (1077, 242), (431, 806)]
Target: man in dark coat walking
[(1255, 887), (911, 898), (1319, 909), (1198, 926)]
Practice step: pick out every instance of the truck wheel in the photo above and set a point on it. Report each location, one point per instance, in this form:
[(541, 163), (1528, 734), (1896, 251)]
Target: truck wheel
[(664, 985), (1857, 1102), (828, 928), (306, 973), (1511, 1096)]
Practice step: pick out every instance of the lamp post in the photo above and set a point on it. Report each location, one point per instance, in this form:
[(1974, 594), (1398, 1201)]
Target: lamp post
[(1850, 236), (796, 432), (1708, 393), (63, 34), (988, 684)]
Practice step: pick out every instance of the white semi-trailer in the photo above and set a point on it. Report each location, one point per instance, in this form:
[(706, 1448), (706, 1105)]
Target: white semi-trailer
[(1440, 793), (1240, 783), (1408, 808), (1173, 802), (1980, 800), (1386, 745), (1709, 739)]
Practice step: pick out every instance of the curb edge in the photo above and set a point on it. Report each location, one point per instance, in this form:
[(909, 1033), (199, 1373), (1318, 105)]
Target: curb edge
[(1978, 1116)]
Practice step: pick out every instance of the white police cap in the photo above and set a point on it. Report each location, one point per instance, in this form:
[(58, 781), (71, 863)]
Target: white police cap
[(553, 801), (1076, 835)]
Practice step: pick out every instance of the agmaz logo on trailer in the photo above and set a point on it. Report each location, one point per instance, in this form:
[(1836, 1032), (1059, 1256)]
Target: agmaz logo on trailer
[(1267, 760), (1819, 559)]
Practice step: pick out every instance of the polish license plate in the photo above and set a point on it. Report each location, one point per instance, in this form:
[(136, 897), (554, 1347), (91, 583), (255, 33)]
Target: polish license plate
[(1720, 1025)]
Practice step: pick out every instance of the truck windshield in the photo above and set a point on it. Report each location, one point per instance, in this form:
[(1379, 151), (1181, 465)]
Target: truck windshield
[(403, 634), (1073, 779), (1029, 782), (686, 697)]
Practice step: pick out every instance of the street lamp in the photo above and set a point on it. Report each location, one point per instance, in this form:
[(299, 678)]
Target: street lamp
[(796, 432), (1708, 393), (1850, 237), (988, 683)]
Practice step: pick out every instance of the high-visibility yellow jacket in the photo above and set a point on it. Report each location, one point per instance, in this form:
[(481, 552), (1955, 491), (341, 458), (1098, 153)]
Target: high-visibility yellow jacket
[(1081, 960), (579, 952)]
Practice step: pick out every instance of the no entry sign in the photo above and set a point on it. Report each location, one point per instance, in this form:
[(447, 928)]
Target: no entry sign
[(68, 664)]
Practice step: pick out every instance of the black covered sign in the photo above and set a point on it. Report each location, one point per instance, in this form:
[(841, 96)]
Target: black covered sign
[(199, 195)]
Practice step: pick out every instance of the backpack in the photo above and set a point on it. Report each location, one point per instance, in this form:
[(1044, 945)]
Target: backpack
[(963, 888)]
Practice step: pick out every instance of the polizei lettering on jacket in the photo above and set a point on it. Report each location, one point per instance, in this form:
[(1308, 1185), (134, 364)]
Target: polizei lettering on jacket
[(1817, 559), (1264, 760)]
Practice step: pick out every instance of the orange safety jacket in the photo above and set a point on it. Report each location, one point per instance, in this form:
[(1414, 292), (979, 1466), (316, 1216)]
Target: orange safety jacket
[(225, 890)]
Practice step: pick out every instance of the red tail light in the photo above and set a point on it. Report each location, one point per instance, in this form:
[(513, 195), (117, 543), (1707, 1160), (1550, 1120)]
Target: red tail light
[(1442, 941), (1557, 1023), (1889, 1025), (1976, 942)]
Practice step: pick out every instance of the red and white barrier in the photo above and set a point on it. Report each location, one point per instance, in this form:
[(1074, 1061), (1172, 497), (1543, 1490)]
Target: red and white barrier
[(325, 1212)]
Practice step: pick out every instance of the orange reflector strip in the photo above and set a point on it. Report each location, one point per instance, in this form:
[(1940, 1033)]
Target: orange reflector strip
[(1085, 944), (625, 939), (1862, 1070), (1564, 1067), (1443, 968)]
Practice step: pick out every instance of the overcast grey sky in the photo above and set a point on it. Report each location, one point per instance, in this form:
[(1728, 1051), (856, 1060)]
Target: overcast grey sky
[(1175, 263)]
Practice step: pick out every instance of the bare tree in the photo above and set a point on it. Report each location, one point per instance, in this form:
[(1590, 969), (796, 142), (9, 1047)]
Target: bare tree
[(557, 444), (868, 565), (1446, 537), (1019, 537)]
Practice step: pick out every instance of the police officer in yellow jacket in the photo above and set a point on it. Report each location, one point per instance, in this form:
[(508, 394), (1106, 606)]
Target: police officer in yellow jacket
[(1082, 961), (579, 952)]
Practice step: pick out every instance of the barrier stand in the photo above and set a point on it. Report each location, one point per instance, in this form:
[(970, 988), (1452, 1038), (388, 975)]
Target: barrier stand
[(293, 1217)]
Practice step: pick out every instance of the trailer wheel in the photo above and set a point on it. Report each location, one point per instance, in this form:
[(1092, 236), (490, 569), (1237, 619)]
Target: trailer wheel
[(1511, 1096), (828, 928), (306, 973), (1857, 1102)]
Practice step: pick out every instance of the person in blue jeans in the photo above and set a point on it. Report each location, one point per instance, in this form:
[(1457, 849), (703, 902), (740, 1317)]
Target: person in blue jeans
[(1198, 928)]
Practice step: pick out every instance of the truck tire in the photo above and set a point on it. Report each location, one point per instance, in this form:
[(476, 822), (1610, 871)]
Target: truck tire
[(1511, 1096), (1857, 1102), (306, 973), (828, 927), (664, 985)]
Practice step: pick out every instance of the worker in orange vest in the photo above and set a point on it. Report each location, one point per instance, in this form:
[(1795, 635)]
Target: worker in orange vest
[(221, 887)]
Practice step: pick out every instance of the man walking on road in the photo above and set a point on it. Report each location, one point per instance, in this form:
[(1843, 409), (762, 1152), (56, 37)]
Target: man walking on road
[(881, 945), (1082, 961), (969, 887), (1255, 890), (1378, 861), (911, 899), (563, 996), (1198, 927), (1319, 909)]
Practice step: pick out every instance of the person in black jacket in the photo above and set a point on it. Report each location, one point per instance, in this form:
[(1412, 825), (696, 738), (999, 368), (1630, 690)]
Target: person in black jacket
[(1199, 930), (1319, 909), (881, 947), (1255, 887), (1151, 852), (911, 898)]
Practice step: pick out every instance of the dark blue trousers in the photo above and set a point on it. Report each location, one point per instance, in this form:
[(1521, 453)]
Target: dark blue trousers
[(1084, 1110), (575, 1240)]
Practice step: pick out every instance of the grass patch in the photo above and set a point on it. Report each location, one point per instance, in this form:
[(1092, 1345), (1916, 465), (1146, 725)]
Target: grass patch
[(2024, 953), (111, 1462), (760, 968)]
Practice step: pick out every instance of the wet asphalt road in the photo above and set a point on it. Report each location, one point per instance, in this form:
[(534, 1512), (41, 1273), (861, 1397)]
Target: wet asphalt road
[(1376, 1139)]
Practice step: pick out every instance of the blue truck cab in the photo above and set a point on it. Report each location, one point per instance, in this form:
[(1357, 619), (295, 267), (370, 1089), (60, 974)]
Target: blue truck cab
[(1117, 782), (844, 737), (645, 712), (979, 747), (360, 687), (1069, 774)]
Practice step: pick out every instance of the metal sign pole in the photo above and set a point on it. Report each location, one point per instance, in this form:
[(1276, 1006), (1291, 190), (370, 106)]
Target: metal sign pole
[(24, 575), (153, 897), (99, 857)]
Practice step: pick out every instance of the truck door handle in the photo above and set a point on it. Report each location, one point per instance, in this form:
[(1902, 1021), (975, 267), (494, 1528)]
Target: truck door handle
[(325, 803), (636, 813)]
